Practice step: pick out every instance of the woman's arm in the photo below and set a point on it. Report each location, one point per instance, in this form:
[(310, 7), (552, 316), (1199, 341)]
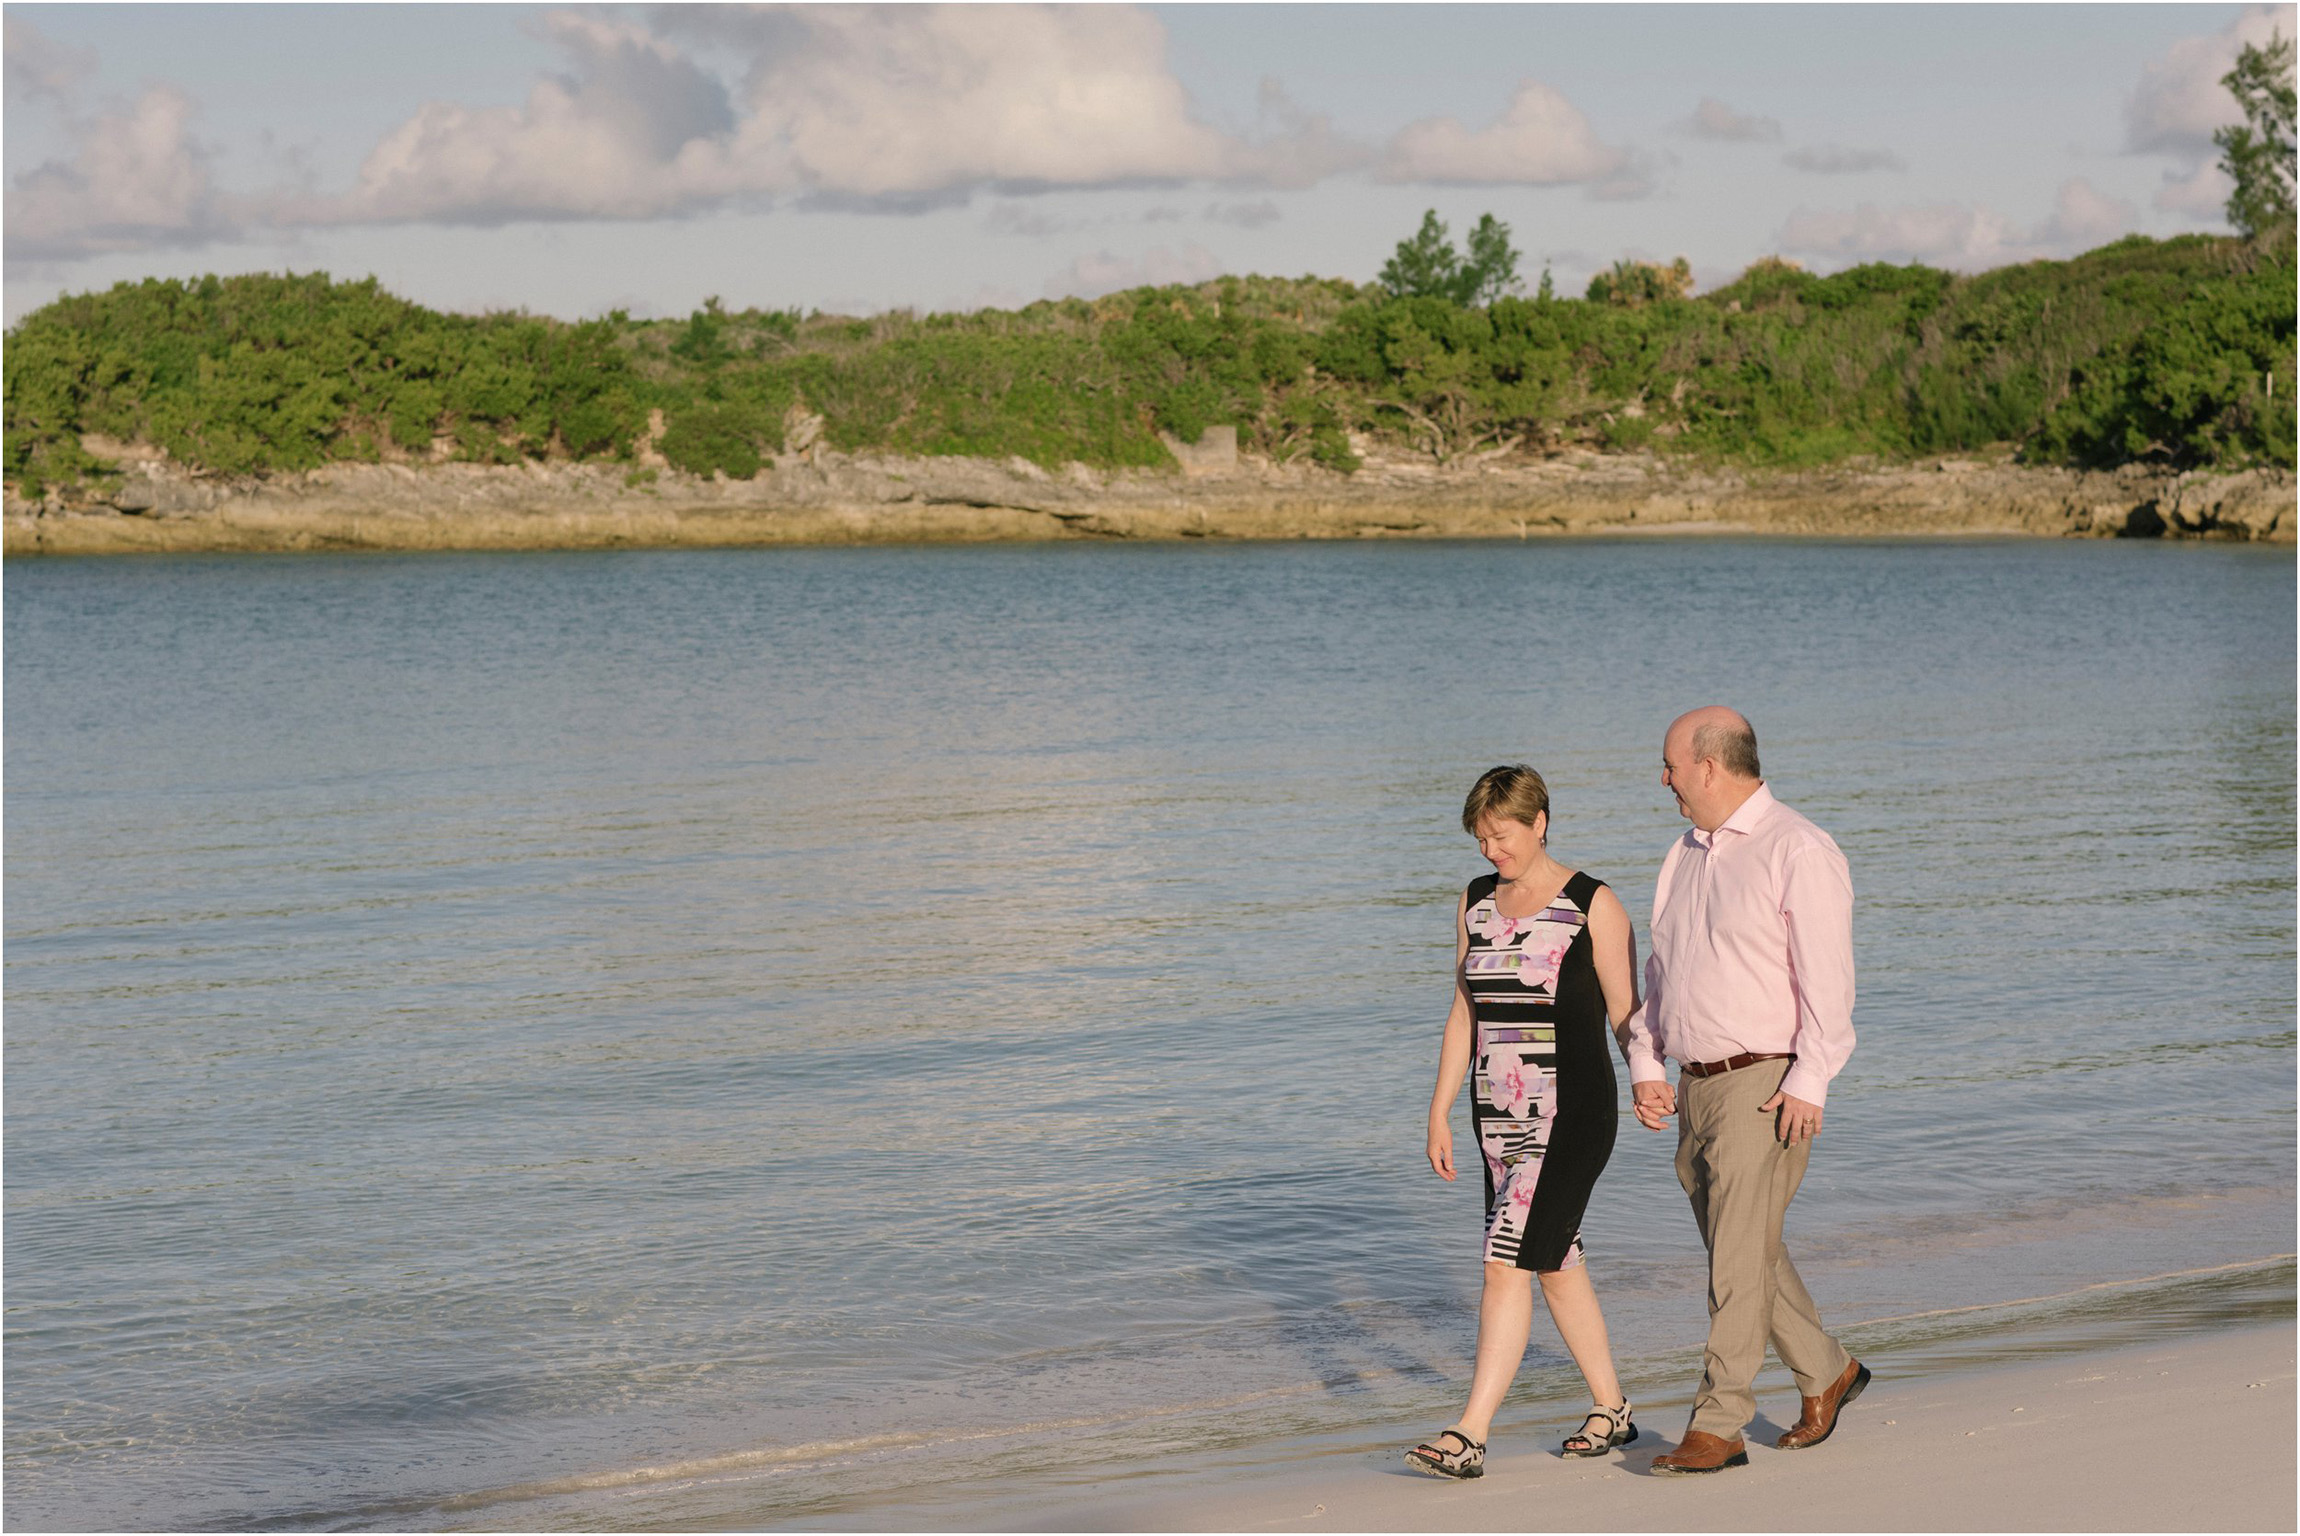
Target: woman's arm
[(1453, 1054), (1613, 946)]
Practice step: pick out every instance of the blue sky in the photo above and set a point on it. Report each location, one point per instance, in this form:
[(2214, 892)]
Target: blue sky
[(574, 159)]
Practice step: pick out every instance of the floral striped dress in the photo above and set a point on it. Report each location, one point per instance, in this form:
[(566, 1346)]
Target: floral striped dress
[(1543, 1095)]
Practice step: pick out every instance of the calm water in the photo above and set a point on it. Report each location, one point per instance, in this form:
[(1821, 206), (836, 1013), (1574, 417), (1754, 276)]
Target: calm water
[(642, 1039)]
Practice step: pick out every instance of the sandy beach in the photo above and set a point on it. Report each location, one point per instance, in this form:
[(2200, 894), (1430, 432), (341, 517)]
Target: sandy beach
[(2190, 1434)]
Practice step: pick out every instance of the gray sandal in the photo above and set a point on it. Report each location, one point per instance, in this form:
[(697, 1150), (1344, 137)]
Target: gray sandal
[(1434, 1459), (1618, 1431)]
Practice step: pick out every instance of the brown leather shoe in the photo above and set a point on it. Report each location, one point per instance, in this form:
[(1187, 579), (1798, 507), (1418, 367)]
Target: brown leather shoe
[(1819, 1420), (1699, 1452)]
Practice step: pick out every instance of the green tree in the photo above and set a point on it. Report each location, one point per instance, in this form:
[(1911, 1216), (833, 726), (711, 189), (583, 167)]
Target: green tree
[(2258, 156), (2176, 352), (1428, 267), (1424, 267), (703, 344), (1491, 270)]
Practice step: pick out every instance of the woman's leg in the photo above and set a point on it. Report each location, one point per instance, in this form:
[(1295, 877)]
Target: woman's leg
[(1573, 1307), (1504, 1319)]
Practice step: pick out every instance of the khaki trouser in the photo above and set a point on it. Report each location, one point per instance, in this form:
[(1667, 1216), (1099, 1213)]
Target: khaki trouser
[(1741, 1178)]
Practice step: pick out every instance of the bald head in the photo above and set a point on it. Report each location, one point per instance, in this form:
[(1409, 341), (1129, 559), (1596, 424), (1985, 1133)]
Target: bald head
[(1720, 734), (1709, 762)]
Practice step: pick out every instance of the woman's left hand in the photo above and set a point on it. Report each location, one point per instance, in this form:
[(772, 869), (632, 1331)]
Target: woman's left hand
[(1441, 1149)]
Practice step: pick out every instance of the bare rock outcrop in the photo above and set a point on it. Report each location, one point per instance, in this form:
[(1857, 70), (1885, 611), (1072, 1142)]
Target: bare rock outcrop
[(811, 495)]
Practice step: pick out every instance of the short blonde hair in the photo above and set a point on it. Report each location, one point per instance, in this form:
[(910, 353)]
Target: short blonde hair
[(1513, 791)]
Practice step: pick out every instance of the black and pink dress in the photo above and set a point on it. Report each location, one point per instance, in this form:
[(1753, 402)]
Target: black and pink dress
[(1542, 1092)]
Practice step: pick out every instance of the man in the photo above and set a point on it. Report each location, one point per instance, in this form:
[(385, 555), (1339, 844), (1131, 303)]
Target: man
[(1750, 988)]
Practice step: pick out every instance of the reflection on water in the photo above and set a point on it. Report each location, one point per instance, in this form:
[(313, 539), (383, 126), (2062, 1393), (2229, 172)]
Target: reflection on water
[(824, 1022)]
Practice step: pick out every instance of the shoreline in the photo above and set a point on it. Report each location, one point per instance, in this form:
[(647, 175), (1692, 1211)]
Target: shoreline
[(2084, 1440), (1271, 1456), (2087, 1441), (820, 497)]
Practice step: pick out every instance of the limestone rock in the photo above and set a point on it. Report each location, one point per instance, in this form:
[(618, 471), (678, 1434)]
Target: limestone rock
[(1214, 453), (822, 496)]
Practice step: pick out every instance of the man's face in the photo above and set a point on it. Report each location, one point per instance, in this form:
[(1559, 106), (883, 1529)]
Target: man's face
[(1692, 780)]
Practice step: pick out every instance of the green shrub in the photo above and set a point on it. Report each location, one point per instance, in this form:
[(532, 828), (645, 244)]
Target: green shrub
[(2176, 351), (1632, 283), (1628, 432), (705, 439), (1330, 447), (602, 424)]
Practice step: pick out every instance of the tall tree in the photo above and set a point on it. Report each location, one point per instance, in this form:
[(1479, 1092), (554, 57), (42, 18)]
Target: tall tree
[(1491, 269), (1428, 267), (1424, 267), (2258, 156)]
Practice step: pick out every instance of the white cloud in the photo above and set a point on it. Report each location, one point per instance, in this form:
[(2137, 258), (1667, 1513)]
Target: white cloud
[(904, 103), (886, 109), (136, 178), (1957, 235), (1295, 148), (1715, 120), (611, 140), (2180, 99), (889, 109), (1541, 139), (1836, 160), (1090, 277)]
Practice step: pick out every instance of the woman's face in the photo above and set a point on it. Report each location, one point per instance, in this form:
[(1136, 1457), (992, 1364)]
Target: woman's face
[(1511, 847)]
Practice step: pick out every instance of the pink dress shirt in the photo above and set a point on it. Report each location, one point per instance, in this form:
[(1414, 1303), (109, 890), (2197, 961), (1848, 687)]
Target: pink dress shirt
[(1752, 950)]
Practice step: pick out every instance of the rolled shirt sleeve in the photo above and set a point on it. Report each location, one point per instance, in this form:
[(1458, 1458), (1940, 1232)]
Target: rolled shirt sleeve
[(1817, 909)]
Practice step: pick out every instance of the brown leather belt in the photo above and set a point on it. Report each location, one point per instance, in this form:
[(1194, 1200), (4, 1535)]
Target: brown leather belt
[(1734, 1063)]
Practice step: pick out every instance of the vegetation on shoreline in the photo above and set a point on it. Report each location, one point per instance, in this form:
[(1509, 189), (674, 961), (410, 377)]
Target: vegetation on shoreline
[(2177, 352)]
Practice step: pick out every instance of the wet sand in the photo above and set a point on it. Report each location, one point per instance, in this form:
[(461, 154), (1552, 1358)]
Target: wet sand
[(2191, 1434)]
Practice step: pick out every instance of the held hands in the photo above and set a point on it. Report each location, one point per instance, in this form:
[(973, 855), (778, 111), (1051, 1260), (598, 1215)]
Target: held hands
[(1441, 1149), (1653, 1103), (1799, 1121)]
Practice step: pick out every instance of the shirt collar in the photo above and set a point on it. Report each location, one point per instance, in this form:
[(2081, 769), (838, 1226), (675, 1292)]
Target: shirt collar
[(1745, 820)]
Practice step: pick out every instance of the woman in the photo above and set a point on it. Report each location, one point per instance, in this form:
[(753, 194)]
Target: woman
[(1544, 958)]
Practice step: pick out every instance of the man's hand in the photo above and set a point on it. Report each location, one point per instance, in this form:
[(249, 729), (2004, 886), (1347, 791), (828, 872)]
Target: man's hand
[(1441, 1149), (1799, 1121), (1653, 1103)]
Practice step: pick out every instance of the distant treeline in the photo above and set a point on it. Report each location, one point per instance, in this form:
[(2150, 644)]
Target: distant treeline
[(2177, 352)]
